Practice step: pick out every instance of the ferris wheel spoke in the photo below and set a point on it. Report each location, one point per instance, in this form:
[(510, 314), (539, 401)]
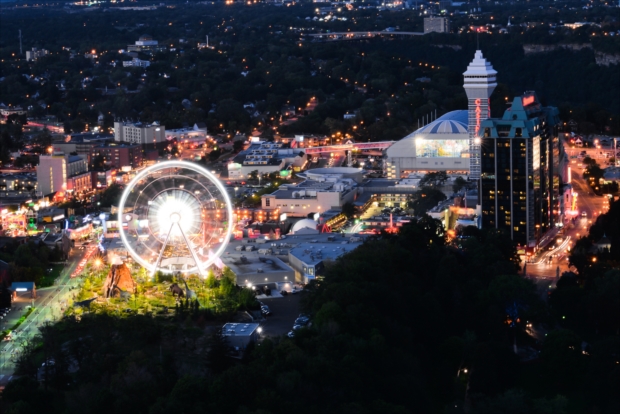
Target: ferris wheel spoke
[(161, 252), (191, 250)]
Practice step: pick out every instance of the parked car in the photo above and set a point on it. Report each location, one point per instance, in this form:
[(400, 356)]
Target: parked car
[(302, 321), (265, 310)]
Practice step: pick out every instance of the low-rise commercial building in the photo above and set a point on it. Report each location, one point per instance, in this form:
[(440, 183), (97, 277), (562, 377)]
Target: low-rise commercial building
[(146, 44), (266, 158), (12, 110), (240, 335), (136, 63), (195, 134), (81, 143), (80, 183), (78, 176), (308, 256), (310, 196), (18, 182), (34, 54), (102, 178)]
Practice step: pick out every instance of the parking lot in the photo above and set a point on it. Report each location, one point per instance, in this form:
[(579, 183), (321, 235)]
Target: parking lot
[(284, 312)]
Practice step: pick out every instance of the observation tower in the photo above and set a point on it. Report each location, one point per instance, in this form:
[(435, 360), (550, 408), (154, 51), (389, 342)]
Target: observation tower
[(480, 81)]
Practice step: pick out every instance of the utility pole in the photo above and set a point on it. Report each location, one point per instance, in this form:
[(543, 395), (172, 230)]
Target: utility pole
[(207, 41)]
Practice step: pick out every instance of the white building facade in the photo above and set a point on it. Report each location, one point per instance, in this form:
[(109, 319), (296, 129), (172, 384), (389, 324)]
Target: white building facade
[(139, 133), (51, 174)]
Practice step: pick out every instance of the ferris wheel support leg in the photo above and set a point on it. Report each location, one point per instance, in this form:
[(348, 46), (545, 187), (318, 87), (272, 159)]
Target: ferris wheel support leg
[(161, 252), (192, 252)]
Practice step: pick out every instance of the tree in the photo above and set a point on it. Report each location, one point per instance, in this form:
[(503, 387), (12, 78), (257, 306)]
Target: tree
[(111, 196), (424, 199), (562, 356), (593, 173), (215, 154), (348, 209), (211, 281), (43, 138), (227, 282), (232, 114), (435, 179), (246, 298), (219, 349), (513, 299), (238, 145), (589, 161), (459, 183)]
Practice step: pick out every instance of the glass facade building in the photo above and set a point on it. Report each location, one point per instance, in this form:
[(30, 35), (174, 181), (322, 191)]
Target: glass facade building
[(518, 181)]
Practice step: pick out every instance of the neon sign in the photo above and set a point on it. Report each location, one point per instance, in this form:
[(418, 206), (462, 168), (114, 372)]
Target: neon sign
[(528, 100), (478, 112)]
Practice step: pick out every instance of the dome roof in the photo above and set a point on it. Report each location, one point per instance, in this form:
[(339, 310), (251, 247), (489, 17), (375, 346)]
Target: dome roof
[(304, 224), (454, 122)]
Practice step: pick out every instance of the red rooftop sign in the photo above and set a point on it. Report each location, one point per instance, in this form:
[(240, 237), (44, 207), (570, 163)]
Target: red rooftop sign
[(528, 100)]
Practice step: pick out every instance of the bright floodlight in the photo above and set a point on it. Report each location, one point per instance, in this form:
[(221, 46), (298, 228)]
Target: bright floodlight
[(178, 218)]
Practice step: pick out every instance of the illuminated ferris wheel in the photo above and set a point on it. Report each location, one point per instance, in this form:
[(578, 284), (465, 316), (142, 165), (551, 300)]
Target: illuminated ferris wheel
[(175, 216)]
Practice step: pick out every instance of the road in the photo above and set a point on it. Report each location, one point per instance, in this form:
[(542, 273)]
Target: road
[(555, 261), (48, 306)]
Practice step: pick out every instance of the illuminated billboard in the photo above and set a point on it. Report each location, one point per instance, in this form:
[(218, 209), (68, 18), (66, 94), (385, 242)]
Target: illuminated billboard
[(441, 148)]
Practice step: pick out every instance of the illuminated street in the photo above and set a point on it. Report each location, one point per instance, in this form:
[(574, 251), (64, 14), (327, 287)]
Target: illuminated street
[(48, 307)]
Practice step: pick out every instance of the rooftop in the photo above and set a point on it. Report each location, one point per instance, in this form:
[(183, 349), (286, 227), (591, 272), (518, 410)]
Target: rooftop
[(315, 249), (86, 137), (310, 188), (239, 329), (479, 67), (74, 158)]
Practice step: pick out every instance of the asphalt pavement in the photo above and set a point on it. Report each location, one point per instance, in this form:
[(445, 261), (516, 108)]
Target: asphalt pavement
[(285, 310)]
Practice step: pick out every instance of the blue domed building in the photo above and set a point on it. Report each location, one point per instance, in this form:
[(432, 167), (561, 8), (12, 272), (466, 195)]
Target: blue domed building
[(442, 145)]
